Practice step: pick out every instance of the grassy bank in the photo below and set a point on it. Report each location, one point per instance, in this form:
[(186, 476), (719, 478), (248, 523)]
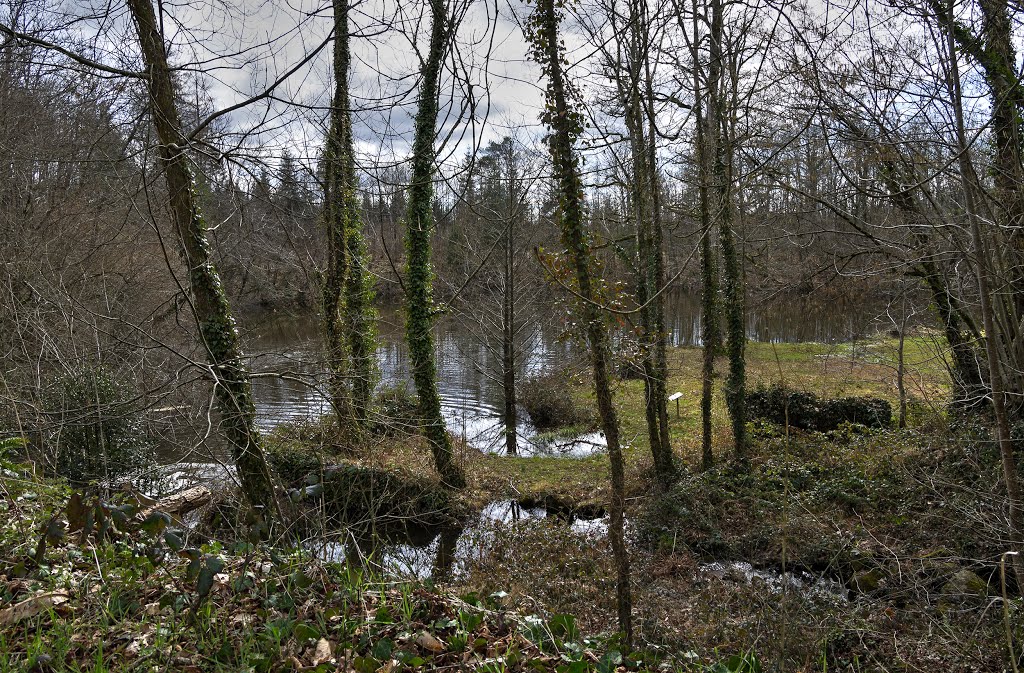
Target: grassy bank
[(855, 550)]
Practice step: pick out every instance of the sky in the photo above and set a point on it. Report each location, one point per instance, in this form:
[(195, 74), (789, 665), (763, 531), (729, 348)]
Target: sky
[(246, 44), (240, 46)]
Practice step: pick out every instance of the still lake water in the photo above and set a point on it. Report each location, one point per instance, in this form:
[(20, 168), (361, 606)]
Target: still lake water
[(468, 368)]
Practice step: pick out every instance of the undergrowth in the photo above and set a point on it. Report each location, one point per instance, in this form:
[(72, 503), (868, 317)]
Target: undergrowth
[(100, 584)]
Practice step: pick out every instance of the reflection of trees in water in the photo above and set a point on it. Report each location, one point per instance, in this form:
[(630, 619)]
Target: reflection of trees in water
[(471, 393), (442, 552), (410, 550)]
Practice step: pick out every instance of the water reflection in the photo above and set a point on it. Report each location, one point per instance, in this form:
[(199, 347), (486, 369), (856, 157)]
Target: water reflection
[(445, 552), (471, 396)]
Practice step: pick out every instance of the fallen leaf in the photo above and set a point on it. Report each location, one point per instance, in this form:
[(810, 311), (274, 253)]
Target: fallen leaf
[(323, 651), (30, 607), (429, 642), (244, 619)]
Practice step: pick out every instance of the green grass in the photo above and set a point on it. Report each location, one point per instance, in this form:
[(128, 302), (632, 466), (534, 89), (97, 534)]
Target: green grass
[(830, 370)]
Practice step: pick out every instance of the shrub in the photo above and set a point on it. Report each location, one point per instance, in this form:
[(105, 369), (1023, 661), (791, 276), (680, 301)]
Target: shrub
[(549, 402), (94, 429), (295, 450), (396, 411), (807, 411)]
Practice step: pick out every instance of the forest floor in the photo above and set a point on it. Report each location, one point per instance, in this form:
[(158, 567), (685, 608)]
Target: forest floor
[(856, 550)]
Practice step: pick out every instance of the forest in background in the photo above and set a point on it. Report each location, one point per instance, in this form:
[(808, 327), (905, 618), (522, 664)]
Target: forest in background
[(173, 171)]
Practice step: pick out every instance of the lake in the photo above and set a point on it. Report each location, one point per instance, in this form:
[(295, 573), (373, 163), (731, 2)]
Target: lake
[(287, 359)]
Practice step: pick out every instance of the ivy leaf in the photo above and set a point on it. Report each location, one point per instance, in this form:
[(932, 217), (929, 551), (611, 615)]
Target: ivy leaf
[(207, 575), (195, 558), (301, 579), (304, 632), (173, 540), (609, 661), (156, 523), (76, 511)]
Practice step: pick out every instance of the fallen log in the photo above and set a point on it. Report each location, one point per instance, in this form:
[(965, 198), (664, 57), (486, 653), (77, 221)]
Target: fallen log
[(181, 503)]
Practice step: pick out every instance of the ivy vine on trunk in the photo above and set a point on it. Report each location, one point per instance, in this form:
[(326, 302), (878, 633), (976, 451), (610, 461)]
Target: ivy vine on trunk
[(347, 293), (217, 329), (566, 124), (419, 226)]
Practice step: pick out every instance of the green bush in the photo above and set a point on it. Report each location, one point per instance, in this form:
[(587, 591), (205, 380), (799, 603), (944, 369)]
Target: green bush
[(94, 429), (807, 411), (549, 402), (395, 412)]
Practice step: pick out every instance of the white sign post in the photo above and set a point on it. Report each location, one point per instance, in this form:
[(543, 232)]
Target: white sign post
[(674, 397)]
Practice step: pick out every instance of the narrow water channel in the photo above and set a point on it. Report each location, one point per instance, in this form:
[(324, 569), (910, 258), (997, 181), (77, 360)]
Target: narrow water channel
[(445, 551)]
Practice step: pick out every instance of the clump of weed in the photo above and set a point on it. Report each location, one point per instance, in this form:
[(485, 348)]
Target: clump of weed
[(94, 429), (807, 411)]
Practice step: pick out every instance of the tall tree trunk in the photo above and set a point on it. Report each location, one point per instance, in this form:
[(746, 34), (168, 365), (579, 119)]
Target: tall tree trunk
[(994, 52), (658, 271), (213, 314), (706, 149), (723, 210), (646, 213), (897, 170), (566, 123), (992, 336), (508, 327), (970, 389), (419, 226), (358, 318), (339, 174)]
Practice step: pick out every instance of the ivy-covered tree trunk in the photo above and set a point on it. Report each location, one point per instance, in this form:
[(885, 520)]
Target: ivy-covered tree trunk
[(566, 123), (735, 327), (983, 260), (992, 47), (658, 280), (339, 174), (999, 62), (349, 320), (722, 206), (710, 335), (418, 280), (213, 314), (361, 321)]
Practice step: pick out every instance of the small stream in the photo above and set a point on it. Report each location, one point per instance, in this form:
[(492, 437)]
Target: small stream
[(446, 553)]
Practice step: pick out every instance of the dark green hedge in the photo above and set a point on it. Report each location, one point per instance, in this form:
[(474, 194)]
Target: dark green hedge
[(807, 411)]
